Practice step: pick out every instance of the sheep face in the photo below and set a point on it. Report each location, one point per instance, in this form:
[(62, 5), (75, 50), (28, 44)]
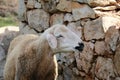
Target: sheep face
[(64, 40)]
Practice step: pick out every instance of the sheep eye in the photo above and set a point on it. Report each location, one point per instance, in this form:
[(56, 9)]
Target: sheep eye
[(59, 36)]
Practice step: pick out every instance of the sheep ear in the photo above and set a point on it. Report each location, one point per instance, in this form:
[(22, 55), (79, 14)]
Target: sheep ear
[(52, 41)]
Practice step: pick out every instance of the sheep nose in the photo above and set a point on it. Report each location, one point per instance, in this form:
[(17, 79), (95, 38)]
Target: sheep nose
[(80, 47)]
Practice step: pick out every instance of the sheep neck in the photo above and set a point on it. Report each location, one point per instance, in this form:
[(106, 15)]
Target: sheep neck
[(44, 48), (46, 58)]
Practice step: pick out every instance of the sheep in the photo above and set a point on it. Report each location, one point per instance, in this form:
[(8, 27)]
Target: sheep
[(32, 57)]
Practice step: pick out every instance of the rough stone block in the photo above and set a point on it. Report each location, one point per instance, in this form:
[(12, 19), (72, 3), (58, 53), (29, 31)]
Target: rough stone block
[(84, 11), (56, 19), (104, 68), (94, 30), (38, 19)]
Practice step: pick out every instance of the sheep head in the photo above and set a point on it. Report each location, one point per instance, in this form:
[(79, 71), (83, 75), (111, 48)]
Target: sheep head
[(62, 39)]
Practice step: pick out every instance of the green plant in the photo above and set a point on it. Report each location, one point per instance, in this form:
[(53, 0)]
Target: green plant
[(8, 21)]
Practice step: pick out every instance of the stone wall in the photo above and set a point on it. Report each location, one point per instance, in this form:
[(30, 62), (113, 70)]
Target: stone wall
[(96, 22), (8, 7)]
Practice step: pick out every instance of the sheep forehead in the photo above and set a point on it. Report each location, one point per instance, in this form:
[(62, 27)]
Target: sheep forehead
[(62, 29)]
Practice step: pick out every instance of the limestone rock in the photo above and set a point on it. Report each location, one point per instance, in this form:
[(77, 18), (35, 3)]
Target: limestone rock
[(37, 5), (64, 5), (112, 38), (2, 52), (100, 48), (66, 59), (38, 19), (84, 59), (68, 17), (7, 37), (92, 70), (110, 21), (83, 12), (76, 71), (97, 2), (109, 13), (108, 8), (78, 24), (117, 78), (21, 10), (101, 2), (2, 63), (56, 19), (25, 29), (49, 5), (30, 3), (81, 1), (94, 30), (33, 4), (84, 21), (87, 77), (117, 59), (104, 68), (75, 5), (67, 73)]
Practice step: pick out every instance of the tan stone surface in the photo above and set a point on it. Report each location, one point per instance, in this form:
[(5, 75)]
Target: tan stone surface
[(38, 19), (64, 5), (112, 38), (100, 48), (56, 19), (84, 11), (94, 30), (117, 59), (101, 2), (85, 58), (104, 68)]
